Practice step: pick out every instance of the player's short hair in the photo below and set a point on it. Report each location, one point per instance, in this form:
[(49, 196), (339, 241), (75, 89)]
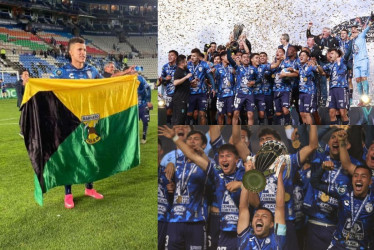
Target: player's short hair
[(364, 166), (223, 53), (107, 64), (75, 40), (213, 43), (306, 52), (174, 51), (203, 137), (180, 59), (340, 53), (269, 131), (246, 129), (228, 147), (253, 55), (263, 53), (196, 50), (286, 37), (284, 52), (188, 57), (23, 70), (267, 209), (344, 30), (221, 47), (327, 28), (310, 36)]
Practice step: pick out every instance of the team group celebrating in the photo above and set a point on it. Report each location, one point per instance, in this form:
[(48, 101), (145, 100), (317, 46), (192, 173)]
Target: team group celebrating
[(234, 85), (320, 197)]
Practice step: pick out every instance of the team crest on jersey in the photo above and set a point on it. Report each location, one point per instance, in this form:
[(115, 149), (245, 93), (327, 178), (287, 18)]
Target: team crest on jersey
[(342, 189), (267, 241), (346, 203), (58, 72), (90, 122), (200, 69), (369, 207)]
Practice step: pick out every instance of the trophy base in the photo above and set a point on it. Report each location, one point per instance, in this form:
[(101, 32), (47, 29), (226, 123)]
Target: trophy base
[(254, 181)]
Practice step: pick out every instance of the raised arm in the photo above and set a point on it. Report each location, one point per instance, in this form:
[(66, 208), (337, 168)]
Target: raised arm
[(343, 152), (187, 150), (180, 81), (239, 145), (313, 144), (280, 215)]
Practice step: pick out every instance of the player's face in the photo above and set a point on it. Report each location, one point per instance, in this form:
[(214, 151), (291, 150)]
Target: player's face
[(266, 138), (245, 59), (283, 40), (217, 60), (303, 57), (195, 140), (194, 57), (25, 76), (370, 157), (334, 146), (182, 131), (263, 58), (279, 54), (224, 59), (227, 161), (361, 180), (343, 35), (110, 68), (244, 137), (354, 33), (333, 55), (78, 52), (255, 60), (172, 58), (325, 33), (213, 46), (310, 42), (261, 223), (291, 52)]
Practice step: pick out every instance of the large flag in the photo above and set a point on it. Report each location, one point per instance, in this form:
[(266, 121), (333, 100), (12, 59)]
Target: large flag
[(79, 131)]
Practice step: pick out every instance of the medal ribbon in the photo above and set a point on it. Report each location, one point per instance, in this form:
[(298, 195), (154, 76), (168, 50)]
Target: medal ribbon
[(355, 217), (184, 181), (258, 244)]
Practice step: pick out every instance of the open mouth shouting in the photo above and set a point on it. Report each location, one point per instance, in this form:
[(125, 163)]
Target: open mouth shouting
[(259, 225), (358, 185)]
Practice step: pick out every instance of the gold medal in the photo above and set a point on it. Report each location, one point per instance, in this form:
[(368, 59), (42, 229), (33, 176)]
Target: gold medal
[(287, 197), (272, 76), (179, 199), (305, 79), (346, 238), (324, 197), (296, 143)]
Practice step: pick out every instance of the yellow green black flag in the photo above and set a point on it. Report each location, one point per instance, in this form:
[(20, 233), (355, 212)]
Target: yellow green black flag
[(79, 131)]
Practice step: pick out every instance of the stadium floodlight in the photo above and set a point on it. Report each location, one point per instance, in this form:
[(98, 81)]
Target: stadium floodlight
[(365, 100)]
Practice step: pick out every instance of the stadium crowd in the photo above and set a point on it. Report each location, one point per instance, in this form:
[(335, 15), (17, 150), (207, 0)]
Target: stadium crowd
[(320, 197), (232, 84)]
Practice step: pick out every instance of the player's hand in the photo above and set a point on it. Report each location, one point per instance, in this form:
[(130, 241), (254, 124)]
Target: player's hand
[(342, 135), (199, 150), (170, 187), (168, 78), (328, 165), (169, 171), (130, 70), (188, 75), (233, 186), (282, 74), (166, 131), (194, 83), (251, 83), (248, 165), (310, 24), (290, 69), (213, 92)]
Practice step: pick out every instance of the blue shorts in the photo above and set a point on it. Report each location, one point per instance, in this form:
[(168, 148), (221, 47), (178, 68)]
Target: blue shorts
[(228, 240), (225, 105), (185, 235), (338, 98), (3, 90), (269, 103), (307, 103), (197, 102), (318, 237), (244, 100), (168, 102), (162, 229), (144, 114), (282, 99), (361, 68), (260, 102), (213, 231)]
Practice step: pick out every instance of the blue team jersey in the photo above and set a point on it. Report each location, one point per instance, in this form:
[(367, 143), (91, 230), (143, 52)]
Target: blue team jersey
[(337, 74), (344, 44), (298, 197), (356, 220), (199, 71), (190, 203), (244, 74), (225, 81), (282, 84), (268, 195), (247, 240), (307, 83), (319, 206), (227, 202), (268, 81), (68, 71), (144, 92), (163, 197), (259, 88), (169, 70), (360, 51)]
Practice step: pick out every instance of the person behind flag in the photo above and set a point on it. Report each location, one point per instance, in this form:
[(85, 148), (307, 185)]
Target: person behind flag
[(78, 69), (268, 231), (144, 103)]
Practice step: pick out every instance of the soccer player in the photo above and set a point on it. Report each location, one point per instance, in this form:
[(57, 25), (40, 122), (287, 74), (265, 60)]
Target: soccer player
[(338, 85), (361, 60), (186, 228), (225, 82), (78, 69), (198, 98), (345, 45), (356, 214), (307, 87), (268, 231), (282, 89), (3, 89), (144, 104), (167, 76), (319, 206), (267, 87)]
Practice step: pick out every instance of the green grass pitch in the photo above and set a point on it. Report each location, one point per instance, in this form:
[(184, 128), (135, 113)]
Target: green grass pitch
[(125, 219)]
